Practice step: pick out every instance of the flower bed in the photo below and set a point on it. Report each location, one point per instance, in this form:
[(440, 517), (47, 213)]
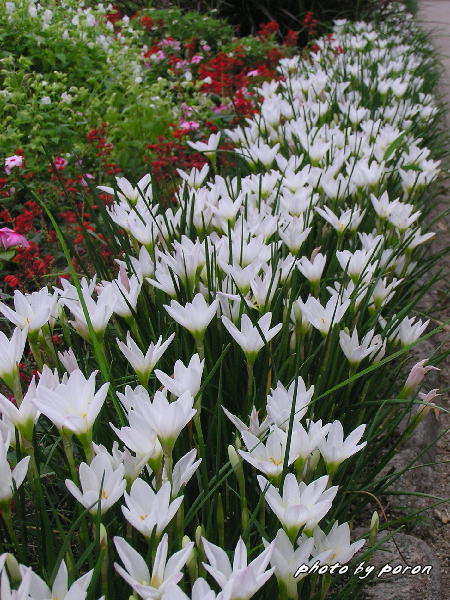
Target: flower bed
[(246, 355), (88, 93)]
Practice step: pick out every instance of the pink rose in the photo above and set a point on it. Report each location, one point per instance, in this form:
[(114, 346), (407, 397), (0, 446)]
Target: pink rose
[(10, 238), (13, 161)]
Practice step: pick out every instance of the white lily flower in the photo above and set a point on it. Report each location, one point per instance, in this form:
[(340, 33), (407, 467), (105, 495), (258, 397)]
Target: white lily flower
[(354, 351), (24, 416), (22, 592), (11, 354), (133, 465), (68, 360), (280, 401), (73, 405), (184, 470), (286, 559), (248, 337), (336, 543), (323, 318), (100, 482), (255, 426), (185, 378), (10, 478), (300, 505), (312, 269), (142, 364), (210, 147), (166, 418), (165, 573), (60, 589), (334, 449), (127, 192), (267, 456), (146, 510), (140, 438), (32, 311), (410, 330), (195, 316), (241, 580)]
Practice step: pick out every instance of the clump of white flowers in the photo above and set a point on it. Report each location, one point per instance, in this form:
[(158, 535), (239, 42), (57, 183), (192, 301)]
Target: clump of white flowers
[(259, 295)]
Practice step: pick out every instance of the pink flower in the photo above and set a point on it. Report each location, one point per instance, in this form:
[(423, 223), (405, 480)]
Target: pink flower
[(206, 48), (83, 181), (417, 374), (196, 59), (253, 73), (60, 163), (10, 238), (189, 125), (13, 161)]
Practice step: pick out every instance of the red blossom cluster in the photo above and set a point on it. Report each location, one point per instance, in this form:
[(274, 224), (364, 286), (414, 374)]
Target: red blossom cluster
[(268, 29), (310, 23)]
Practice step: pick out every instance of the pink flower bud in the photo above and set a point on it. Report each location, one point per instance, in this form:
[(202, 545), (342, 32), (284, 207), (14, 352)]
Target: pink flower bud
[(10, 238), (417, 374)]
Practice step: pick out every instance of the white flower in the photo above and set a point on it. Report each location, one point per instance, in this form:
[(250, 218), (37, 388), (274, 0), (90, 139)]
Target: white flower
[(32, 311), (68, 360), (127, 192), (300, 505), (140, 438), (336, 544), (99, 483), (255, 426), (132, 465), (355, 263), (323, 318), (354, 351), (267, 456), (24, 416), (286, 559), (195, 316), (249, 337), (280, 401), (143, 365), (73, 405), (60, 589), (184, 470), (10, 478), (241, 580), (348, 219), (185, 378), (166, 418), (99, 311), (11, 354), (312, 269), (165, 573), (210, 147), (334, 449), (410, 330), (146, 510)]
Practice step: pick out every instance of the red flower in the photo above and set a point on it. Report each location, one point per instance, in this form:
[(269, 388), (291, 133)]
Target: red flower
[(267, 29), (12, 280), (146, 22)]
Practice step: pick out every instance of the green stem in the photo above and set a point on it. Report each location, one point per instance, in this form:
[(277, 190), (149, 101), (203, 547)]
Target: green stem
[(6, 514), (36, 350), (68, 449)]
